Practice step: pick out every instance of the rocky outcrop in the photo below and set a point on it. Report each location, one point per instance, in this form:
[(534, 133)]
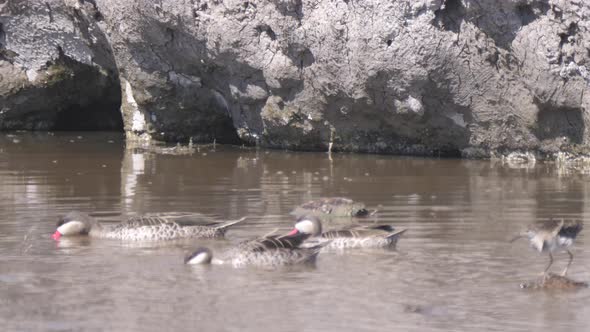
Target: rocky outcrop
[(431, 77), (56, 67)]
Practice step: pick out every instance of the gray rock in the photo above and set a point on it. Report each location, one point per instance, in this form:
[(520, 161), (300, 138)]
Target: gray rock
[(458, 77), (56, 67)]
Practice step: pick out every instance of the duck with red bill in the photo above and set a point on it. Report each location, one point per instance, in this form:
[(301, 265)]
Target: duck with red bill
[(149, 227), (359, 236)]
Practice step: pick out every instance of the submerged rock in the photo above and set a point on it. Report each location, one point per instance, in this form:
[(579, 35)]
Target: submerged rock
[(554, 282)]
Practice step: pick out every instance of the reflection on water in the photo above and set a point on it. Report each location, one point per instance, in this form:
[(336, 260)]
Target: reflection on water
[(453, 269)]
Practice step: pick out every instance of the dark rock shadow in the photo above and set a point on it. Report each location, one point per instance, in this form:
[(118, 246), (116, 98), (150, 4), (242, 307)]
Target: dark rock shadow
[(209, 109), (501, 25), (68, 95), (559, 123), (293, 8)]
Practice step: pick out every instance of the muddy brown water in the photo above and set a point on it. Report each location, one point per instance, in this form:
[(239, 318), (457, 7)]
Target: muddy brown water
[(453, 269)]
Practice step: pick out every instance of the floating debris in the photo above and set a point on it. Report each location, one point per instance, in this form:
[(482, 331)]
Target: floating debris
[(160, 148), (520, 158)]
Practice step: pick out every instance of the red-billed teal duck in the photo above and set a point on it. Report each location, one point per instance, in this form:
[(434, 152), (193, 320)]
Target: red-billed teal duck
[(149, 227), (270, 251), (359, 236), (332, 206)]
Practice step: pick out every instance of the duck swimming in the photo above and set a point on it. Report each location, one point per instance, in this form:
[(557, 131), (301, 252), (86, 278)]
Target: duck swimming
[(270, 251), (332, 206), (361, 236), (149, 227)]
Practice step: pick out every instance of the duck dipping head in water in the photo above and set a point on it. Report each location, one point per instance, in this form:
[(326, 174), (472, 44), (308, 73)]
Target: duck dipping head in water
[(353, 236), (201, 255), (74, 223), (146, 227)]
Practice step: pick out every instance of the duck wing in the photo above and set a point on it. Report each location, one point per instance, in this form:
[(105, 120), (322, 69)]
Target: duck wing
[(361, 231), (269, 243), (571, 228), (171, 218)]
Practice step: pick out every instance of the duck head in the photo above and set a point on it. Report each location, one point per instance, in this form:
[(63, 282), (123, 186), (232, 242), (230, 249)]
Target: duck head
[(73, 223), (199, 256), (309, 225)]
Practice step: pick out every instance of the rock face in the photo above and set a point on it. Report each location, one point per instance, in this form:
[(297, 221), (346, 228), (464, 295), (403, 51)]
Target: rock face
[(430, 77), (56, 68)]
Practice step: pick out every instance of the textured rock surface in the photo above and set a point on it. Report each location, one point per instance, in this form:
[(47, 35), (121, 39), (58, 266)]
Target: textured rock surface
[(470, 77), (56, 68)]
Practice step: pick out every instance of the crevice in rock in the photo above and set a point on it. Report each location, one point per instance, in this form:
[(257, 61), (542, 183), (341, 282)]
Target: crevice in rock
[(97, 15), (2, 35), (563, 123), (447, 122), (301, 56), (450, 15), (526, 13), (263, 28), (89, 99), (501, 25), (209, 98), (557, 12), (572, 30), (289, 89), (505, 34), (5, 54), (49, 12), (98, 116), (292, 8), (389, 121)]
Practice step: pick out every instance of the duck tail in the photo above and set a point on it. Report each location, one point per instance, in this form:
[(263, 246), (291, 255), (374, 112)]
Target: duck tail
[(396, 234), (230, 223)]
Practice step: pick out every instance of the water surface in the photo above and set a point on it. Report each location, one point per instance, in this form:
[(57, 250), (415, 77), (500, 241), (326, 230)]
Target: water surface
[(453, 270)]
